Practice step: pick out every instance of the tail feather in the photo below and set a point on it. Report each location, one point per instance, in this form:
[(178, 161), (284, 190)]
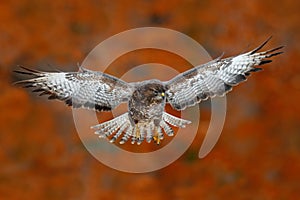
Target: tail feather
[(160, 133), (126, 135), (169, 131), (140, 132), (106, 129), (133, 139), (149, 134), (120, 131), (260, 46), (175, 121)]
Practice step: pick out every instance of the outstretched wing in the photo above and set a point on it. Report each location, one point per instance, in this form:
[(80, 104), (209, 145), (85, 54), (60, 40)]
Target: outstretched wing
[(215, 78), (85, 88)]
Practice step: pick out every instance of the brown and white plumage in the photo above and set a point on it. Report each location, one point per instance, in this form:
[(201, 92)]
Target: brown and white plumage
[(216, 77), (85, 88), (146, 117)]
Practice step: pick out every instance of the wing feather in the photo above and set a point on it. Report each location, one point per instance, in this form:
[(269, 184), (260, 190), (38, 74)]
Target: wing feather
[(85, 88), (215, 78)]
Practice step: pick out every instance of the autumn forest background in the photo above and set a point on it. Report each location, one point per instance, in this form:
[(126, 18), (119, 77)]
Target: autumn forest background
[(257, 155)]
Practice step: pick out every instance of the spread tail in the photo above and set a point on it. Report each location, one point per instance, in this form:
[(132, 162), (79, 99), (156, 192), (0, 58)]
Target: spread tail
[(121, 125)]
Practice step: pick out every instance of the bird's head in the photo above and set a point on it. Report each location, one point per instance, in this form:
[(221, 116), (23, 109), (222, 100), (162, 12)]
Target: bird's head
[(157, 94), (154, 93)]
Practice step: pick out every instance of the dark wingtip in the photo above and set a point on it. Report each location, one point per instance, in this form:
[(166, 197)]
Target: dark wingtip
[(260, 46), (23, 82), (23, 72), (265, 62), (28, 86), (274, 54), (38, 90), (45, 93), (27, 71), (52, 96), (275, 49), (256, 69)]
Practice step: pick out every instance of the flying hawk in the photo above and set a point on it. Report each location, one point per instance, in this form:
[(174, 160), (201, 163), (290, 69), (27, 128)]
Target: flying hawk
[(146, 117)]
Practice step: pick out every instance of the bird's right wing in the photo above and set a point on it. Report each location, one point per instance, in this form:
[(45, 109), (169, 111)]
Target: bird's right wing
[(85, 88)]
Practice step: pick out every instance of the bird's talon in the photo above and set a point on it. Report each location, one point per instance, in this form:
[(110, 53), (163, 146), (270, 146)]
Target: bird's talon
[(156, 139)]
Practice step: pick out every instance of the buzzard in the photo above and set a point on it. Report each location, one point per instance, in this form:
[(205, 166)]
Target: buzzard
[(146, 117)]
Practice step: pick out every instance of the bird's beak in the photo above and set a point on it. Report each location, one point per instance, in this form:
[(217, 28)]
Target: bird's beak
[(162, 94)]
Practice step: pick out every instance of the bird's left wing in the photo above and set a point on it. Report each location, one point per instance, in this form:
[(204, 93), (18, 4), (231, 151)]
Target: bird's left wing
[(85, 88), (215, 78)]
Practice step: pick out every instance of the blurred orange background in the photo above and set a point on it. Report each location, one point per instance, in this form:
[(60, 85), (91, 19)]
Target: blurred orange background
[(258, 154)]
